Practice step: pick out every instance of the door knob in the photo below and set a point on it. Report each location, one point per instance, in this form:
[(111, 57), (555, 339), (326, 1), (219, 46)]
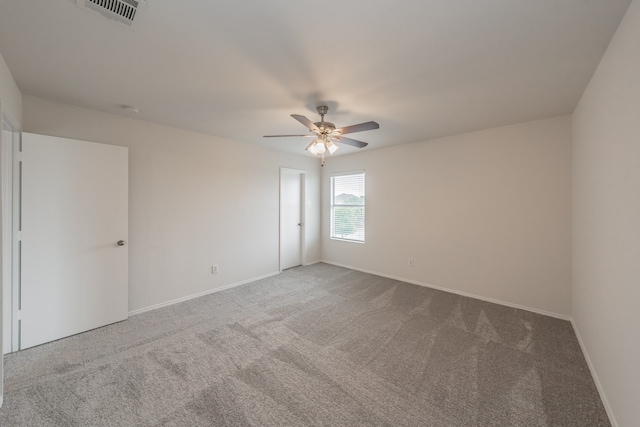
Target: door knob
[(121, 242)]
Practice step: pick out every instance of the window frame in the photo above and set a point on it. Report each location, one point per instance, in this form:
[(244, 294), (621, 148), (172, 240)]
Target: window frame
[(332, 206)]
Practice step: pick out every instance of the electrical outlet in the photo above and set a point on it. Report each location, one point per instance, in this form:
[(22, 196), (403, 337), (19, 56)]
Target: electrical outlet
[(410, 262), (215, 269)]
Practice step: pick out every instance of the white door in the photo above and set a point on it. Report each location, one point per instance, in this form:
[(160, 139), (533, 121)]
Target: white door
[(74, 213), (291, 224)]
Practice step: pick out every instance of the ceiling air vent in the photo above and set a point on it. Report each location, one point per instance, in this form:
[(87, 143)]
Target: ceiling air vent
[(124, 11)]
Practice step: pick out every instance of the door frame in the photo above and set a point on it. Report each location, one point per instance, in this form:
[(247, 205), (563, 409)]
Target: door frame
[(7, 261), (10, 224), (303, 204)]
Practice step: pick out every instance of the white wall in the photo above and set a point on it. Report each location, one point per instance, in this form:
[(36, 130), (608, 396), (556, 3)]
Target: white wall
[(484, 213), (195, 200), (606, 221)]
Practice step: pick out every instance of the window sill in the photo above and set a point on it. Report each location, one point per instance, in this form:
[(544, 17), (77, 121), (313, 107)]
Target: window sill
[(347, 240)]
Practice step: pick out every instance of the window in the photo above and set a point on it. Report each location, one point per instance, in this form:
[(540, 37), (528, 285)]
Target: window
[(347, 206)]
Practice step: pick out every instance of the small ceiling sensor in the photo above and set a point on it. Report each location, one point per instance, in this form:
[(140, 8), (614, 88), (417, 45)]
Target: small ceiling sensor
[(131, 110)]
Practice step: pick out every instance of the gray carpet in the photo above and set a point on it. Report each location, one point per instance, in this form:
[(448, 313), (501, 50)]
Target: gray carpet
[(313, 346)]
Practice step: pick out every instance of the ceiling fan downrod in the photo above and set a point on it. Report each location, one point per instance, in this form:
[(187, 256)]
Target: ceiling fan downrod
[(326, 128), (322, 110)]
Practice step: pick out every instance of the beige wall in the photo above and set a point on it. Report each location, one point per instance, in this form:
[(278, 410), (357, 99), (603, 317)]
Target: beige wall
[(485, 213), (194, 201), (606, 221)]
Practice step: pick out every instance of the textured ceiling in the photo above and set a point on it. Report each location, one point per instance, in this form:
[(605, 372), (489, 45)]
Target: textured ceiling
[(422, 69)]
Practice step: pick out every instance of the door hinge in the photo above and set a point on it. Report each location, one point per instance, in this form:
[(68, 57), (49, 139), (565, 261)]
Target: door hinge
[(19, 314), (18, 156)]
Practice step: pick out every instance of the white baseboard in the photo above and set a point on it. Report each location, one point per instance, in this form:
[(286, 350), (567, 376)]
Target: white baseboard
[(454, 291), (1, 400), (594, 375), (200, 294)]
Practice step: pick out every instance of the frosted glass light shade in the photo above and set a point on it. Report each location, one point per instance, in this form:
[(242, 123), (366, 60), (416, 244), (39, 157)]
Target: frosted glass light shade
[(313, 147), (331, 147)]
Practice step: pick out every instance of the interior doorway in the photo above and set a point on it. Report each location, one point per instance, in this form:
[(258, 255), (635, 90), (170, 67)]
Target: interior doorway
[(292, 217)]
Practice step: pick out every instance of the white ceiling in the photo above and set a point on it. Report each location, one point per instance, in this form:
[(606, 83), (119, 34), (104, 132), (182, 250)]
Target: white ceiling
[(238, 69)]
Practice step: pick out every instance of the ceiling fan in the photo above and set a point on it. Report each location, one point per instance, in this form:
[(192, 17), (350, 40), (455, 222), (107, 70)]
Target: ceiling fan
[(326, 135)]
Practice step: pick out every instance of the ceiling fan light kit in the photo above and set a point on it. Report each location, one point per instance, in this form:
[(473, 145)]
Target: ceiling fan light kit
[(322, 145), (326, 135)]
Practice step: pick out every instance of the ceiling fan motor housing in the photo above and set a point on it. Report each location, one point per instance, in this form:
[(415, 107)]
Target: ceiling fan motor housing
[(325, 127)]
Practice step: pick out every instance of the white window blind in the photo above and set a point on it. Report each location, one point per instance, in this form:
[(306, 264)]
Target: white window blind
[(347, 206)]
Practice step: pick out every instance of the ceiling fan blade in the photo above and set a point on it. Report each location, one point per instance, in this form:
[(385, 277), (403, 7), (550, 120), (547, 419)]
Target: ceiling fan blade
[(308, 123), (352, 142), (359, 127), (284, 136)]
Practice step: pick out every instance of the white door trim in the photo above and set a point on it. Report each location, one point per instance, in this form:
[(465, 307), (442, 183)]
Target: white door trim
[(9, 285), (303, 203), (6, 234)]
